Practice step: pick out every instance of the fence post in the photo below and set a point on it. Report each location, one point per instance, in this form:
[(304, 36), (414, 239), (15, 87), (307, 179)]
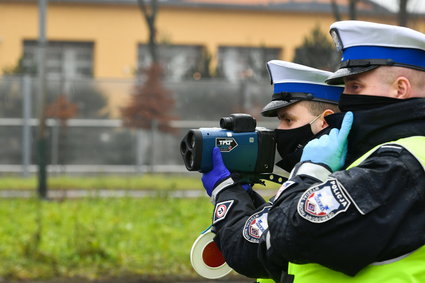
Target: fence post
[(26, 127), (41, 68), (154, 129), (55, 143), (140, 150)]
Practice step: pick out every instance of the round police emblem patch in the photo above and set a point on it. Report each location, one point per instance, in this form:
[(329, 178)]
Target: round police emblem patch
[(323, 202), (256, 225), (221, 210)]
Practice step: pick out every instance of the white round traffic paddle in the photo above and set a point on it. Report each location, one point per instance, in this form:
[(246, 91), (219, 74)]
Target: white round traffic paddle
[(207, 259)]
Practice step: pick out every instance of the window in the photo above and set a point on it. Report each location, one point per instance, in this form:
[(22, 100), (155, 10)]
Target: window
[(179, 61), (236, 63), (64, 60)]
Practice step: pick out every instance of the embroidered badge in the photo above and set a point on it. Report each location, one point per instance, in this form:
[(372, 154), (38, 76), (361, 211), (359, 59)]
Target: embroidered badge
[(221, 210), (256, 225), (323, 202)]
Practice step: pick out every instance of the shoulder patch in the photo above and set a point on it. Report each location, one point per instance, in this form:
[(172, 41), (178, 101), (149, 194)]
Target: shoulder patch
[(221, 209), (390, 148), (323, 202), (256, 225)]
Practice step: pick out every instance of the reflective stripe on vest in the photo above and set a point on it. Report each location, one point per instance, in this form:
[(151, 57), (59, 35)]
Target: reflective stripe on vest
[(411, 144), (405, 269)]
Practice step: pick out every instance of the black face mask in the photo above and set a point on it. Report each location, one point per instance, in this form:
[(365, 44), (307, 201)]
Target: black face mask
[(356, 102), (290, 144)]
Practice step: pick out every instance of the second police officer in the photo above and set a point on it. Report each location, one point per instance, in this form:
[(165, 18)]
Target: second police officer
[(301, 101), (353, 209)]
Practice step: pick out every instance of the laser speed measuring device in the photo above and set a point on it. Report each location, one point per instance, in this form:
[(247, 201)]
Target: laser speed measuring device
[(244, 147)]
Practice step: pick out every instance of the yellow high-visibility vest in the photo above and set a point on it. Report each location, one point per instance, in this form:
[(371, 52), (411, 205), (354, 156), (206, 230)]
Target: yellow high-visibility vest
[(409, 268)]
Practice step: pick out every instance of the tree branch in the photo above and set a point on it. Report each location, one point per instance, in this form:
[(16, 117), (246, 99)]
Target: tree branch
[(335, 10), (142, 7), (402, 14), (352, 9)]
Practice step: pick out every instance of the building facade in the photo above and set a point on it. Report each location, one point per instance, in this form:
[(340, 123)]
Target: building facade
[(108, 39)]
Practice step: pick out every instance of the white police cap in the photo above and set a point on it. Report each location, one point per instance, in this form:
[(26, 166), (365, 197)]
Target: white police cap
[(294, 82), (366, 46)]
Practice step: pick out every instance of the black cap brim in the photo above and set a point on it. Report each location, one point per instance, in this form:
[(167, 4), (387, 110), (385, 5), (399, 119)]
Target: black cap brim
[(271, 109), (338, 77)]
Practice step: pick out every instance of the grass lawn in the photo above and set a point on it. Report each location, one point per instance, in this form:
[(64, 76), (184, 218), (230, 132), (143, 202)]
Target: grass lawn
[(131, 182), (95, 238), (105, 182)]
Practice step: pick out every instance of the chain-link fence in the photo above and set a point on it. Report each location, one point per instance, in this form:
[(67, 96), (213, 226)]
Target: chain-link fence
[(88, 136)]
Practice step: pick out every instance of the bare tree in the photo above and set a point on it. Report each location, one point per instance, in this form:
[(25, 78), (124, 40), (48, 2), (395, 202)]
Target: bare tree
[(151, 103), (149, 13), (335, 10), (352, 9), (402, 13)]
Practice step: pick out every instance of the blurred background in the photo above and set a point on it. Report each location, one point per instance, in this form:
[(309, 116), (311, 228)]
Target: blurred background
[(106, 109), (109, 87)]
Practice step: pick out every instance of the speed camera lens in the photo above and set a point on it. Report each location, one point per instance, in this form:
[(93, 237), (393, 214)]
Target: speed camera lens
[(191, 140)]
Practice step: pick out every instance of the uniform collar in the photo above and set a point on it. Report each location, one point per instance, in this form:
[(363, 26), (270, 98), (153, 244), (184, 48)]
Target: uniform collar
[(384, 124)]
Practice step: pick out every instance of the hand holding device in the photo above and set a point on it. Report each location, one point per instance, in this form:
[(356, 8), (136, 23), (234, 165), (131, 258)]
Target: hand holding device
[(217, 174)]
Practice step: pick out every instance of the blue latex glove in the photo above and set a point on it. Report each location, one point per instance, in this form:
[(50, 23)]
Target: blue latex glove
[(330, 149), (219, 172)]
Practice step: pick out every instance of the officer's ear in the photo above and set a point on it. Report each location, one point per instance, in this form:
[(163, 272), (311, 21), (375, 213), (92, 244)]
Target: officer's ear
[(403, 87), (323, 124)]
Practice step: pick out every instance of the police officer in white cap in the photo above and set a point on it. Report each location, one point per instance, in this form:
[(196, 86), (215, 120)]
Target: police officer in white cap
[(301, 101), (355, 208)]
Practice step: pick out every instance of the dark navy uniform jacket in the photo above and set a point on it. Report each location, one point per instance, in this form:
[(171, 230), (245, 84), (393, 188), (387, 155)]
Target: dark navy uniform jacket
[(345, 221)]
